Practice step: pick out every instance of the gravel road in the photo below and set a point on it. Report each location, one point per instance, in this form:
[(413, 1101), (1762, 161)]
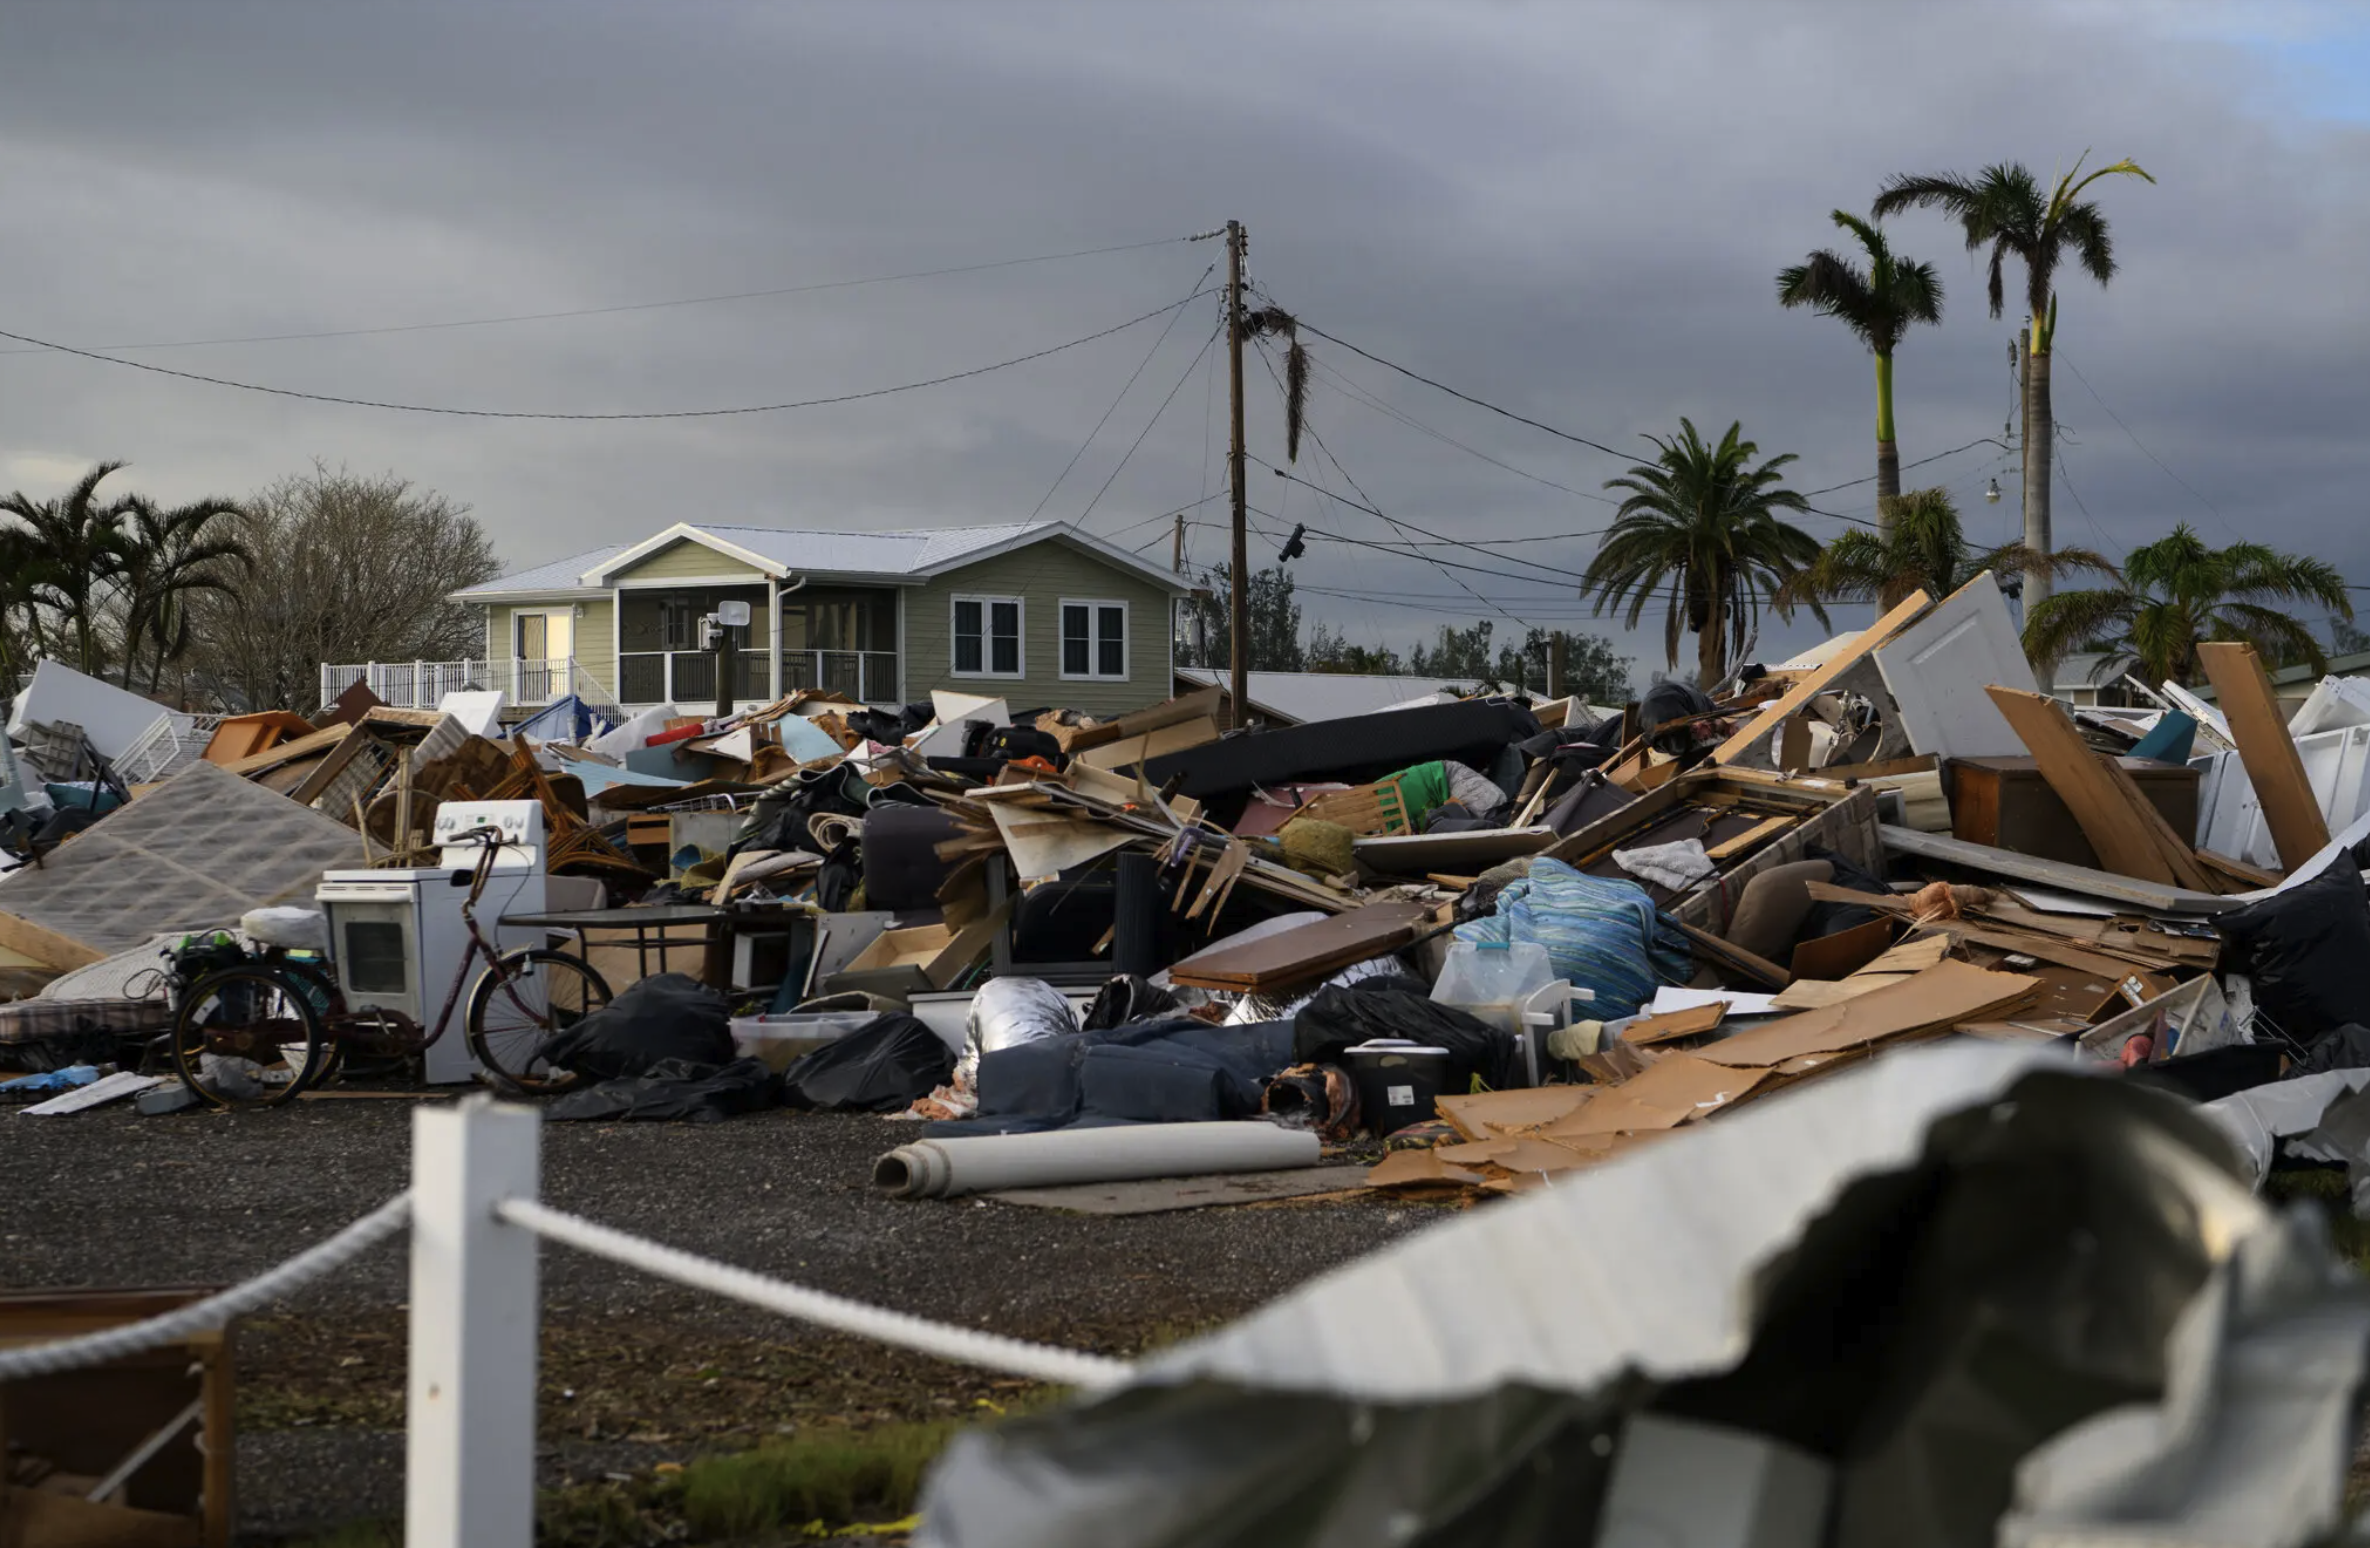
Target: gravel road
[(634, 1371)]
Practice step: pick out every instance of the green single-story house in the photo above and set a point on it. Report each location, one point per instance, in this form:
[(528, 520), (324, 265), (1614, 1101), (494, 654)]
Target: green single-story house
[(1035, 613)]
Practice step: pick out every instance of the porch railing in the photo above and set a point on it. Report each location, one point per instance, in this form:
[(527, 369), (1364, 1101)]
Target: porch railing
[(420, 684), (688, 677)]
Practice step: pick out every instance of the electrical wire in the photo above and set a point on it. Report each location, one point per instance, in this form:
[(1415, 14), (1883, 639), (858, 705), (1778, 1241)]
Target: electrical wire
[(636, 306), (1360, 395), (2143, 446), (1124, 388), (1853, 483), (714, 413), (1439, 541), (1148, 424), (1310, 431)]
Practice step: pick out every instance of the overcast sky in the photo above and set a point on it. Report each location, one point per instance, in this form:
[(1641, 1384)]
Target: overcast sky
[(1573, 210)]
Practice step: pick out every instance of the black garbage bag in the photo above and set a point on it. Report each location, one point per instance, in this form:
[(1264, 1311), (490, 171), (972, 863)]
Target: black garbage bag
[(884, 1066), (1345, 1015), (839, 875), (2305, 950), (1671, 700), (664, 1016), (2340, 1048), (1123, 999), (1013, 743), (674, 1090)]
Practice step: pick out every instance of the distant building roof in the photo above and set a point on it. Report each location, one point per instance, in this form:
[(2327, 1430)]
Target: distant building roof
[(2354, 663), (909, 554)]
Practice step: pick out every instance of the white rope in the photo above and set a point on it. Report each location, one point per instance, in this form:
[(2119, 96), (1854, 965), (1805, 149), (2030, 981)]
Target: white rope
[(215, 1310), (963, 1346)]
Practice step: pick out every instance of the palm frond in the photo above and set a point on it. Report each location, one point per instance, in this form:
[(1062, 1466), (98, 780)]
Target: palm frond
[(1295, 396)]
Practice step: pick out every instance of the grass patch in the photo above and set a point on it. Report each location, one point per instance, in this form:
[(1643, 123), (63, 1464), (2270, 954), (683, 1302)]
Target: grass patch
[(2326, 1187), (356, 1534), (835, 1477)]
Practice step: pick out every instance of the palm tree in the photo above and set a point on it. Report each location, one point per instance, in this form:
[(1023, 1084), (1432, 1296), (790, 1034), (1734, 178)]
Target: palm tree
[(79, 538), (1878, 306), (24, 576), (167, 556), (2004, 206), (1922, 547), (2177, 594), (1702, 522)]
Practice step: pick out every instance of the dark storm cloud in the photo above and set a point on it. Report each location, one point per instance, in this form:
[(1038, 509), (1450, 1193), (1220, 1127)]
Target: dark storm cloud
[(1574, 210)]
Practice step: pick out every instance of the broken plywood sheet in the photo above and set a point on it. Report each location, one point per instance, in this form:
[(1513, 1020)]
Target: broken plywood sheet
[(1937, 669), (2126, 830), (1044, 845), (2290, 809), (195, 853), (1827, 674)]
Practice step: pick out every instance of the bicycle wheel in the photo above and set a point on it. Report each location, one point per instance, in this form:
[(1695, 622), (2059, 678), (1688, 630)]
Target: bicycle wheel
[(247, 1037), (523, 998)]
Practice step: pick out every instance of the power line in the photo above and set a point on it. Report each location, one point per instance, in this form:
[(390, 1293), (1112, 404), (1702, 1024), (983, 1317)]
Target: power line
[(1988, 440), (1124, 387), (1148, 424), (714, 413), (1443, 542), (636, 306), (2143, 446), (1440, 386), (1360, 395), (1311, 432), (2067, 479)]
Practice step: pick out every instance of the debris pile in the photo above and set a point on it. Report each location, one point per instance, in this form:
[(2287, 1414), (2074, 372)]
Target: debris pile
[(1474, 944)]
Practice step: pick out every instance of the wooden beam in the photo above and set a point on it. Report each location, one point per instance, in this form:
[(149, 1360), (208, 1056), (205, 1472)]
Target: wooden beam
[(1989, 862), (1817, 682), (46, 947), (2290, 810), (2106, 808)]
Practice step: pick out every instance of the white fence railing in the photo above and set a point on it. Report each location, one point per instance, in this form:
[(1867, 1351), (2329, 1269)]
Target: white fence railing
[(421, 684), (475, 1319)]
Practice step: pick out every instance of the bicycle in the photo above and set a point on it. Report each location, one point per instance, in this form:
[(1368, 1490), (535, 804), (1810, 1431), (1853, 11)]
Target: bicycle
[(261, 1027)]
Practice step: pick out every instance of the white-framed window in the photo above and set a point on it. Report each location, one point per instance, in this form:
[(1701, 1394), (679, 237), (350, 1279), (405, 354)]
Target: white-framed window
[(987, 637), (1094, 640)]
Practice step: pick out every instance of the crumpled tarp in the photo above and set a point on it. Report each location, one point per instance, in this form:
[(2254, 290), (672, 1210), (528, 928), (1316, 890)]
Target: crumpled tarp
[(2006, 1299), (674, 1090), (1169, 1071), (664, 1016)]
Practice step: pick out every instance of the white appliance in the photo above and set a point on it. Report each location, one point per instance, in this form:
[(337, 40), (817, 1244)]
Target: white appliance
[(397, 936)]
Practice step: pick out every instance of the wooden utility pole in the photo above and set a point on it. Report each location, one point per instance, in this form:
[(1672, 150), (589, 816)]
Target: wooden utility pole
[(1239, 566), (1177, 546), (1555, 665)]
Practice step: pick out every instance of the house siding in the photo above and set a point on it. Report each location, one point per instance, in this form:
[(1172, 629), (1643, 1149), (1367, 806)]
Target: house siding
[(686, 560), (596, 640), (1042, 574)]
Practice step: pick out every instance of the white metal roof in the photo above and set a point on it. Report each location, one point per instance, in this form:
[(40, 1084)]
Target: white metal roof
[(912, 553)]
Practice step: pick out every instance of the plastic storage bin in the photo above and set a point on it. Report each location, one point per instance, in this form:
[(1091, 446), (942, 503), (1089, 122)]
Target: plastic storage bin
[(1397, 1081), (780, 1039)]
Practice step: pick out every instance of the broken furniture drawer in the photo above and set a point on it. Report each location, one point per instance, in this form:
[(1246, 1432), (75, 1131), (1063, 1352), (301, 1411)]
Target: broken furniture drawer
[(2005, 803)]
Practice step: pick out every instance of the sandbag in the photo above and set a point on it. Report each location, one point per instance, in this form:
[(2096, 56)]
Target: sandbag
[(673, 1090), (2305, 950), (884, 1066), (664, 1016), (1006, 1013), (1342, 1016), (1318, 848), (1601, 934)]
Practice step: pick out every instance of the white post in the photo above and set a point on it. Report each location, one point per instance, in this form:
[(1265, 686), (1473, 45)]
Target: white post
[(470, 1458)]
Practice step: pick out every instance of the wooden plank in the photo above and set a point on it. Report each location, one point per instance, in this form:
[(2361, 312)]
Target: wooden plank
[(2290, 810), (1735, 959), (2238, 870), (1767, 828), (1994, 863), (1306, 952), (1923, 763), (1200, 704), (1815, 683), (2078, 775), (303, 746), (45, 947)]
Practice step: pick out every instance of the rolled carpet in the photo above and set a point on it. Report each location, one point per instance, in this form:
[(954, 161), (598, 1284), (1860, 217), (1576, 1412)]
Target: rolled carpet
[(938, 1169)]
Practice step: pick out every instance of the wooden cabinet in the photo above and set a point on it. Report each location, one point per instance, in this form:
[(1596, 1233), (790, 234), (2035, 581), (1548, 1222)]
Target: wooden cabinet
[(2004, 802)]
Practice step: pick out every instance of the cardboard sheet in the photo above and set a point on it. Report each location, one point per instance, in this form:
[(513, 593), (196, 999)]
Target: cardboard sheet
[(1649, 1030), (1493, 1115), (1932, 1001), (1673, 1090)]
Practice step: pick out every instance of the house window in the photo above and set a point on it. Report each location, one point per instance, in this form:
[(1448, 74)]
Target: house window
[(1094, 640), (987, 637)]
